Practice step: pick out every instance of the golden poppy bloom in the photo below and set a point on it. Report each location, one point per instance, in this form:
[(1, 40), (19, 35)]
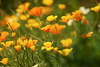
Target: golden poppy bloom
[(23, 7), (33, 48), (96, 8), (33, 23), (77, 15), (86, 35), (13, 25), (47, 46), (7, 44), (56, 28), (31, 43), (0, 49), (3, 35), (13, 34), (18, 47), (37, 11), (47, 2), (56, 49), (51, 18), (47, 10), (24, 17), (65, 19), (65, 52), (61, 6), (46, 28), (4, 61), (66, 42)]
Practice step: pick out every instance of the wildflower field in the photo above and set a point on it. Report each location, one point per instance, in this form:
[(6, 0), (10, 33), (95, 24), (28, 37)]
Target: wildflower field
[(49, 33)]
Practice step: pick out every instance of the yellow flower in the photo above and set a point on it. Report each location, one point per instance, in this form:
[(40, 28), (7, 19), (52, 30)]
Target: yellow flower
[(7, 44), (23, 7), (65, 52), (33, 23), (47, 46), (51, 18), (14, 25), (96, 8), (65, 19), (66, 42), (0, 49), (4, 61), (56, 28), (47, 2), (56, 49), (13, 34), (33, 48), (61, 6), (47, 10), (24, 17), (18, 47)]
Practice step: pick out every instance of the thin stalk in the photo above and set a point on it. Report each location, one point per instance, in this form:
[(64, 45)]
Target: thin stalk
[(95, 23)]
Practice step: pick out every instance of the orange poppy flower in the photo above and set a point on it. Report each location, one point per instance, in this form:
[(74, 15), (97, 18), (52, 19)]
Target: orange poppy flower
[(86, 35), (65, 19), (18, 47), (31, 43), (56, 28), (3, 35), (37, 11), (77, 15), (46, 28)]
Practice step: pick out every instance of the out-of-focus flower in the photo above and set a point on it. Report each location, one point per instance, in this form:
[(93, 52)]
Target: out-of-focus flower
[(47, 2), (96, 8), (33, 48), (66, 19), (77, 15), (69, 23), (23, 7), (0, 49), (61, 6), (13, 25), (65, 52), (24, 17), (3, 35), (85, 11), (74, 33), (56, 28), (37, 11), (4, 21), (51, 18), (47, 10), (4, 61), (18, 47), (56, 49), (46, 28), (47, 46), (66, 42), (7, 44), (31, 43), (33, 23), (13, 34), (86, 35)]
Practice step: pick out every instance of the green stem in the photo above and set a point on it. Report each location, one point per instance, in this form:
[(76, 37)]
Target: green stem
[(95, 23)]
